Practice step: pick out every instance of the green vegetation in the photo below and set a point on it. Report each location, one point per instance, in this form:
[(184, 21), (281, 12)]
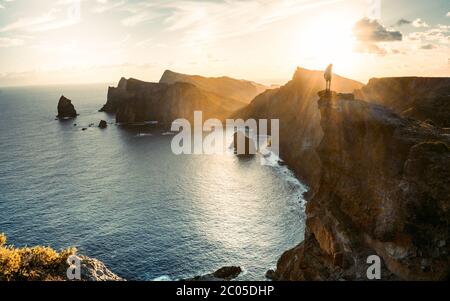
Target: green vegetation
[(35, 263)]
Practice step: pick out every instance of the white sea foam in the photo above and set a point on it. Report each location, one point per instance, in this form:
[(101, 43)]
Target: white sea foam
[(162, 278), (144, 135)]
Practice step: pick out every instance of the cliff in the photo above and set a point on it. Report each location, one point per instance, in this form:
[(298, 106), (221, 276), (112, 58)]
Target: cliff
[(421, 98), (384, 190), (137, 101), (116, 95), (230, 93), (241, 90), (295, 106)]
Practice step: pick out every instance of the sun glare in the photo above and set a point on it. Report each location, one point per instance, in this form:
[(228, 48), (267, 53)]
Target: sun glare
[(327, 39)]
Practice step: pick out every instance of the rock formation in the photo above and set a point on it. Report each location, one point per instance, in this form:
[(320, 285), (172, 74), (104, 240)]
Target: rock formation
[(41, 263), (226, 87), (222, 274), (116, 95), (243, 145), (95, 270), (421, 98), (229, 93), (103, 124), (66, 108), (295, 105), (137, 101), (384, 190)]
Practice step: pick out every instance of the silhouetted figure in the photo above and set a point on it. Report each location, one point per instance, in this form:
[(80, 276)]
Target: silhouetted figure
[(328, 75)]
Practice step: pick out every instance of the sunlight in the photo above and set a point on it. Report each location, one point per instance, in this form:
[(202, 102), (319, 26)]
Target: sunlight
[(327, 39)]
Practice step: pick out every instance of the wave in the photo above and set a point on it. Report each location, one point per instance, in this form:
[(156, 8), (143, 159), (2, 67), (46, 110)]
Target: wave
[(144, 135), (162, 278)]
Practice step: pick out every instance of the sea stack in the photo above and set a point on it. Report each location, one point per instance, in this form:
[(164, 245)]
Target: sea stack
[(66, 108), (103, 124), (243, 145)]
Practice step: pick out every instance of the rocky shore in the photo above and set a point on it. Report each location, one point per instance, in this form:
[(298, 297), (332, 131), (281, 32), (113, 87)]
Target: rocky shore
[(223, 274), (41, 263)]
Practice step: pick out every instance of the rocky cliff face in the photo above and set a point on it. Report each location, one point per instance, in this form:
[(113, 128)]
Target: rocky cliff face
[(95, 270), (137, 101), (384, 190), (116, 95), (420, 98), (240, 90), (295, 105)]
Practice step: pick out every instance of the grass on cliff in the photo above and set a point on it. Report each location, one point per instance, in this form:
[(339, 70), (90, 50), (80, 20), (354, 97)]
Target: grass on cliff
[(35, 263)]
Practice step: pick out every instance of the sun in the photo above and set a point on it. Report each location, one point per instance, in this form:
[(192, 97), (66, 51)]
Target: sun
[(327, 39)]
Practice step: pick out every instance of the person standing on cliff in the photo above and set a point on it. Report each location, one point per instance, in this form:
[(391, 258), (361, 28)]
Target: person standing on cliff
[(328, 75)]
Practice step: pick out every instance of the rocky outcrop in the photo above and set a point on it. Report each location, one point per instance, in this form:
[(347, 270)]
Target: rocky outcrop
[(103, 124), (384, 190), (295, 105), (66, 108), (232, 94), (95, 270), (40, 263), (222, 274), (422, 98), (135, 101), (241, 90), (120, 94)]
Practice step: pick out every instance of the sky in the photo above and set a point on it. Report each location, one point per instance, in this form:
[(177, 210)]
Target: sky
[(85, 41)]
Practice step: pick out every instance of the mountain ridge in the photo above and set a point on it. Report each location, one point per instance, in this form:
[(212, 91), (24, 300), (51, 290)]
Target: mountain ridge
[(239, 89)]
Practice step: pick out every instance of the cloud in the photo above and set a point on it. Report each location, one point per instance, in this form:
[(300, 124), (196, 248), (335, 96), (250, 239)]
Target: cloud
[(139, 18), (105, 6), (202, 21), (372, 37), (439, 34), (367, 30), (10, 42), (144, 42), (3, 6), (29, 22), (428, 47), (402, 22), (370, 48), (65, 13), (420, 23)]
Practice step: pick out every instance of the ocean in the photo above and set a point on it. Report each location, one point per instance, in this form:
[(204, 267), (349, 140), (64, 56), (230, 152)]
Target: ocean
[(120, 195)]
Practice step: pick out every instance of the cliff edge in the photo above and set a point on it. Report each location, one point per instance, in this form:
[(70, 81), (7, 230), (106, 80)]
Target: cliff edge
[(384, 190), (226, 87), (294, 104)]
